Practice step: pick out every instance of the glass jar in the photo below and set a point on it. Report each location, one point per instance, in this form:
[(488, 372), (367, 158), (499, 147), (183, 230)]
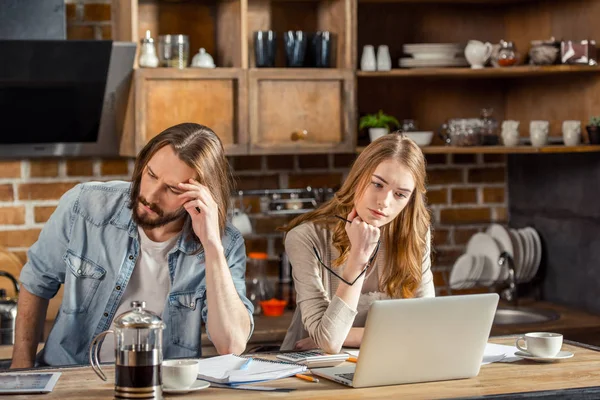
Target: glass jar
[(257, 286), (174, 51), (489, 128), (507, 54), (409, 125)]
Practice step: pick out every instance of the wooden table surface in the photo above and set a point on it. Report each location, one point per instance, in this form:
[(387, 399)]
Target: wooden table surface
[(498, 378)]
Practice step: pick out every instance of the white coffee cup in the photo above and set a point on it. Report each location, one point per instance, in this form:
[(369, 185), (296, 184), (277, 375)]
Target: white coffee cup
[(571, 131), (510, 133), (541, 344), (538, 132), (179, 374), (241, 221)]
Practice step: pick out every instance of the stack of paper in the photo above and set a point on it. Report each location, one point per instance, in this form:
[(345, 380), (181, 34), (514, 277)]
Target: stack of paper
[(233, 369)]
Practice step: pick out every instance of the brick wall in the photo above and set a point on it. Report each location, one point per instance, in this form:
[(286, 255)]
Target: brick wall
[(466, 192)]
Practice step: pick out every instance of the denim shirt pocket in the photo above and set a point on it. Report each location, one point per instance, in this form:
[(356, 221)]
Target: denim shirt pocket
[(81, 283), (185, 309)]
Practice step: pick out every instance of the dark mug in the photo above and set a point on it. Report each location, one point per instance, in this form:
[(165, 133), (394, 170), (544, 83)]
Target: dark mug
[(265, 48), (295, 48), (320, 48)]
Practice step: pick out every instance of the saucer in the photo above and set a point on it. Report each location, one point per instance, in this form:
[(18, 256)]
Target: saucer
[(198, 385), (560, 356)]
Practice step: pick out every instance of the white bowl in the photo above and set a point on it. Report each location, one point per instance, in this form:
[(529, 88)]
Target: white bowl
[(420, 138)]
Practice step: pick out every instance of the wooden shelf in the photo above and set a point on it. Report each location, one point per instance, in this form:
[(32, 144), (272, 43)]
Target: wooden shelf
[(302, 73), (508, 72), (505, 150), (188, 73), (450, 1)]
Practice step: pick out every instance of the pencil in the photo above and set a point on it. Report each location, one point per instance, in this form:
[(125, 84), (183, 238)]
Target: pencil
[(307, 378), (352, 359)]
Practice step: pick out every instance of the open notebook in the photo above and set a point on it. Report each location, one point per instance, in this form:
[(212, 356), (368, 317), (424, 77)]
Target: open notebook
[(227, 369)]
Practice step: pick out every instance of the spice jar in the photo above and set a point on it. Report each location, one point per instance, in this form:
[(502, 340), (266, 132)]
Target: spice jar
[(148, 57), (507, 55)]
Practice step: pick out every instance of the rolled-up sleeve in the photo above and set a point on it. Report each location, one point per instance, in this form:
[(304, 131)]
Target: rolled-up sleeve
[(45, 269), (236, 260), (327, 322), (427, 288)]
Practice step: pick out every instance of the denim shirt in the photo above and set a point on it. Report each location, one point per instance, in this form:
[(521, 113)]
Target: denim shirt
[(90, 244)]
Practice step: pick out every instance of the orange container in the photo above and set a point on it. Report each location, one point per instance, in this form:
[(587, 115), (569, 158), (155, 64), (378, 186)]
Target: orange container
[(273, 307)]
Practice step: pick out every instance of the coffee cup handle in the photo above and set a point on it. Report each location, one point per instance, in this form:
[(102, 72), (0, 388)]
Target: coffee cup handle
[(94, 349), (519, 346)]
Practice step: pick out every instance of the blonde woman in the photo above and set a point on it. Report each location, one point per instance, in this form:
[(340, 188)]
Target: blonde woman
[(370, 242)]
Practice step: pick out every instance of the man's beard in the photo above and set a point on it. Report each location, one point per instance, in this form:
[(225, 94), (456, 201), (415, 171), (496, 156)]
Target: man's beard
[(146, 222)]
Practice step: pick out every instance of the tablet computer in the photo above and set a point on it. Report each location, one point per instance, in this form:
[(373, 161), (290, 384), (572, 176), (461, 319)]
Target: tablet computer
[(314, 358), (28, 382)]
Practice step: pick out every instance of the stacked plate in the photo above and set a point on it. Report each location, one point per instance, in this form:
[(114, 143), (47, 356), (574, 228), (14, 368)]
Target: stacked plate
[(479, 265), (433, 55)]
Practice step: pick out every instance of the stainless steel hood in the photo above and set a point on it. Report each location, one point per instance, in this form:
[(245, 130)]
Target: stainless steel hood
[(63, 97)]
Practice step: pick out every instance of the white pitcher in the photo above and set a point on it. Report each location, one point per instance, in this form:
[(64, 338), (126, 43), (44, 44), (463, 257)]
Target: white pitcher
[(477, 53)]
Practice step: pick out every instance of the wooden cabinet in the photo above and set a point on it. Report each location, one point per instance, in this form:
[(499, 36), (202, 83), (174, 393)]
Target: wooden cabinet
[(295, 112), (315, 106), (217, 99), (262, 110)]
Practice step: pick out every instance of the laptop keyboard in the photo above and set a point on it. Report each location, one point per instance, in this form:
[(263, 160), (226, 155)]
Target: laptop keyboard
[(349, 376)]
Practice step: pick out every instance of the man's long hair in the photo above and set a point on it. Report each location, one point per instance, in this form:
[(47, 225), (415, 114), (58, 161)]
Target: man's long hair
[(199, 148)]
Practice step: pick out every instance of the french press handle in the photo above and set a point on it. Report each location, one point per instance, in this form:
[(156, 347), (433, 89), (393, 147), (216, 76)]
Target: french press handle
[(94, 349)]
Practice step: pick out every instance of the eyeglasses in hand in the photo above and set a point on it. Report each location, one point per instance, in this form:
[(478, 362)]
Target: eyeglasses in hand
[(359, 275)]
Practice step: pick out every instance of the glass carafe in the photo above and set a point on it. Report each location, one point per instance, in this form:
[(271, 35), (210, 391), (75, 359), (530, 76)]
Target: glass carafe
[(257, 287), (489, 128), (138, 353)]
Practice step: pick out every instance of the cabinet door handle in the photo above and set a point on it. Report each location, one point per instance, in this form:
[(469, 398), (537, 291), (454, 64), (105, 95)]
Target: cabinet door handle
[(299, 135)]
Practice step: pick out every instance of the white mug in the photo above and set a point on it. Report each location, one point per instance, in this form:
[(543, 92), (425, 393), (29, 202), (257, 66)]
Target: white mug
[(538, 132), (179, 374), (541, 344), (241, 221), (571, 131), (510, 133)]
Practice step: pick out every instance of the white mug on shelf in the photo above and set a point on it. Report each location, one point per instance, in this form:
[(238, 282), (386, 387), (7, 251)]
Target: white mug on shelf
[(368, 62), (510, 133), (571, 131), (384, 61), (538, 132)]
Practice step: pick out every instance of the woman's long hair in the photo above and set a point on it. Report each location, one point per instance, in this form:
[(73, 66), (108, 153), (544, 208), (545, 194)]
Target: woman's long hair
[(405, 236), (200, 149)]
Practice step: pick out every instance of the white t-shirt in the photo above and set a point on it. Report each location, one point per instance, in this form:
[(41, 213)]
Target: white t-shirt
[(149, 282)]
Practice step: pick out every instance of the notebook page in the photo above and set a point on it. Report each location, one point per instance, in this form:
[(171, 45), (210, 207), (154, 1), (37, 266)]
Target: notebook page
[(226, 369)]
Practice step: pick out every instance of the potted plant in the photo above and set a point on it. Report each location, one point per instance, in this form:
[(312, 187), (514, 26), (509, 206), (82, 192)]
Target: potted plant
[(593, 130), (379, 124)]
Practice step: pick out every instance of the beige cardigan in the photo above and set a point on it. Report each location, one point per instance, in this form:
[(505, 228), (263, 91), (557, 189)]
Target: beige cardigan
[(321, 314)]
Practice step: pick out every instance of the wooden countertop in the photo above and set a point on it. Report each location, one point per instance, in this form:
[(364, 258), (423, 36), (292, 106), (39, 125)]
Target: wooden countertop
[(573, 324), (525, 377)]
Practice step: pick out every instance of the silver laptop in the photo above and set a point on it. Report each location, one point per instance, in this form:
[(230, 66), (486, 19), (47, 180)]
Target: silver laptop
[(420, 340)]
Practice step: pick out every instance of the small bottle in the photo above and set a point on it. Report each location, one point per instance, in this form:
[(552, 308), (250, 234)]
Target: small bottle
[(148, 57)]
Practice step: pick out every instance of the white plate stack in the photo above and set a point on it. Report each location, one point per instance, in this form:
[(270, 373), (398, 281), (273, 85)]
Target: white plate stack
[(424, 55), (479, 265)]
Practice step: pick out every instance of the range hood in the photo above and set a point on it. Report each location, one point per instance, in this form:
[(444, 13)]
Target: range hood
[(63, 97)]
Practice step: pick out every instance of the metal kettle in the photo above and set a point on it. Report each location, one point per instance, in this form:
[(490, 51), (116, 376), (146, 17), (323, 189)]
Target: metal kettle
[(8, 312)]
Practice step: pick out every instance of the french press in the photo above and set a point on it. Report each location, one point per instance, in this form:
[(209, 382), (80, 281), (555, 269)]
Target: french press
[(138, 353)]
